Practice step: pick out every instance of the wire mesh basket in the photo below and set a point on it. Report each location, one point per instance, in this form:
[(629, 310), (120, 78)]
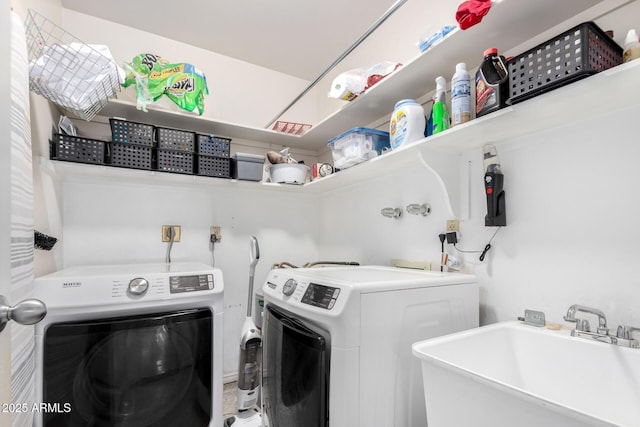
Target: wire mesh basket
[(131, 156), (212, 145), (577, 53), (175, 161), (77, 149), (78, 77), (219, 167), (175, 139)]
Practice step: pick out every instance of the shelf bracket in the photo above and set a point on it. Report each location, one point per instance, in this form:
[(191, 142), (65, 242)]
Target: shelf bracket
[(452, 172)]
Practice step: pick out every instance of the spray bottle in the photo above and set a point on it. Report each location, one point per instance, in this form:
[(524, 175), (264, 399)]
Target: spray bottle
[(440, 113)]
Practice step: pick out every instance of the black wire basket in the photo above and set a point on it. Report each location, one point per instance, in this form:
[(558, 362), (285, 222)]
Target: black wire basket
[(126, 132), (218, 167), (175, 139), (130, 156), (77, 149), (212, 145), (175, 161), (577, 53)]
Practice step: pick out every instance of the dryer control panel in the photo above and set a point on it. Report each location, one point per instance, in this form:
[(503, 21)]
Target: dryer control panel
[(320, 296), (304, 293)]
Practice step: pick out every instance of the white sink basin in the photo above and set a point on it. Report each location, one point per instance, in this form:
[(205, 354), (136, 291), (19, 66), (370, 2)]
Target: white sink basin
[(509, 374)]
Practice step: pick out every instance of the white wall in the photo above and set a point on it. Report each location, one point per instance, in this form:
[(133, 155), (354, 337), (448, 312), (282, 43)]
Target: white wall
[(117, 221), (572, 232), (239, 92)]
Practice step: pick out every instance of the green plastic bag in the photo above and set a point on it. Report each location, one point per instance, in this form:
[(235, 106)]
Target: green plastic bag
[(155, 76)]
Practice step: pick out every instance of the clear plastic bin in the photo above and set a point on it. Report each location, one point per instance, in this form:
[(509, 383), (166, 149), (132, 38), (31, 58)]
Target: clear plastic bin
[(358, 145)]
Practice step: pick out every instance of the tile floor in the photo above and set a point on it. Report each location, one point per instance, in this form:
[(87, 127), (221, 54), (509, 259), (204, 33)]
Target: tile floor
[(229, 402)]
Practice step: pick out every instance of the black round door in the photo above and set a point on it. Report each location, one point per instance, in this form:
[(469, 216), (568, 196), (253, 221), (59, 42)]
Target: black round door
[(145, 371)]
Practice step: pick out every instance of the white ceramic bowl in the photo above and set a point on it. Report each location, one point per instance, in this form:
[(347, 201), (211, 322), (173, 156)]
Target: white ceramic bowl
[(288, 173)]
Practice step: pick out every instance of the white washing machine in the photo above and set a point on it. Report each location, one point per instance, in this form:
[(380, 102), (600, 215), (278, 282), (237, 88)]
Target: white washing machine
[(130, 345), (337, 342)]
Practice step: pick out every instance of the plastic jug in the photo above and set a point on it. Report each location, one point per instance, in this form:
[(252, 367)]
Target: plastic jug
[(491, 83), (407, 123)]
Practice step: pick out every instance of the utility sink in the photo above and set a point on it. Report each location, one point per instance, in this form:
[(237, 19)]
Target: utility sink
[(510, 374)]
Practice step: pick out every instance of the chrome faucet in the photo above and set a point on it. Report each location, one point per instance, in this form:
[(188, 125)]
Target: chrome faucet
[(582, 325), (623, 336)]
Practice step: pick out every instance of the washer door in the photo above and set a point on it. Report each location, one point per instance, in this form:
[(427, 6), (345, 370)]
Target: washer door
[(150, 371), (296, 371)]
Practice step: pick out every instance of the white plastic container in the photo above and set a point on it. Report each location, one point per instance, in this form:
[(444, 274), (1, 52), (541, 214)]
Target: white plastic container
[(288, 173), (357, 145), (460, 95), (631, 46), (407, 124)]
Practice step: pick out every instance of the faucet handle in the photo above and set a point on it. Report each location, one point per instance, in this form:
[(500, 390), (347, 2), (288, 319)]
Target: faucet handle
[(582, 325), (626, 332)]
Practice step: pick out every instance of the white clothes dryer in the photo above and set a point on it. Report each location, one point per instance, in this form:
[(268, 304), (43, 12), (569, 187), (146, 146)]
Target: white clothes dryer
[(337, 342), (130, 345)]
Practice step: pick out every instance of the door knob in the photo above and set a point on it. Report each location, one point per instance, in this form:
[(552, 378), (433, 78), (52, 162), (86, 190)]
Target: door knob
[(27, 312)]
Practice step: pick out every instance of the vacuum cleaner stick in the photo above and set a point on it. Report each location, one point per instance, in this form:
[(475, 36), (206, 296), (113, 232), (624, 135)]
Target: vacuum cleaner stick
[(248, 390)]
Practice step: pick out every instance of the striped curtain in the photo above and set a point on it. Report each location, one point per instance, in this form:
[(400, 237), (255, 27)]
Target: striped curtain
[(22, 276)]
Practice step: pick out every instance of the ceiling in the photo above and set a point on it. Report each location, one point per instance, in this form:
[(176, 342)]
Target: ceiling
[(296, 37)]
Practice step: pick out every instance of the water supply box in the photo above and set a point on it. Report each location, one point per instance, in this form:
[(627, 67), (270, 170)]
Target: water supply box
[(247, 167), (358, 145)]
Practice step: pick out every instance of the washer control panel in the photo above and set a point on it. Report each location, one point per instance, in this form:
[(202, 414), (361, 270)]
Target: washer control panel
[(320, 296), (199, 282)]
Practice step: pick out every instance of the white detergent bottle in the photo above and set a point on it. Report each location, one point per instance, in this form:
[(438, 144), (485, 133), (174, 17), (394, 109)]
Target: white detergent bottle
[(460, 95), (631, 46), (407, 123)]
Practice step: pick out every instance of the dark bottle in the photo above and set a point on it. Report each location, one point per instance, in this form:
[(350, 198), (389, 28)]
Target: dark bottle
[(491, 83)]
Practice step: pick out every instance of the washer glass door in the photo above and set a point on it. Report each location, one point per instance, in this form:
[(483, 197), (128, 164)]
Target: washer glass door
[(142, 371), (295, 371)]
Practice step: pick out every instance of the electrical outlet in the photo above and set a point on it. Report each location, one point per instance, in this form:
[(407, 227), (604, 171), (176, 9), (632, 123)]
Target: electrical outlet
[(214, 229), (165, 233), (453, 225)]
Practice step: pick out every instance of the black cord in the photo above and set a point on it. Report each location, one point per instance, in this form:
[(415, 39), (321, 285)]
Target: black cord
[(442, 237), (483, 252)]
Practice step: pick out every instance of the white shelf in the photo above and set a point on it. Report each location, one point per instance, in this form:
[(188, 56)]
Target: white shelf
[(509, 23), (612, 90), (583, 101), (70, 171)]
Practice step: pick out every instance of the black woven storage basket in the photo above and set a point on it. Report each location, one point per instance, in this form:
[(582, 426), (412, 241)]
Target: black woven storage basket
[(175, 139), (219, 167), (126, 132), (131, 156), (212, 145), (77, 149), (175, 161), (575, 54)]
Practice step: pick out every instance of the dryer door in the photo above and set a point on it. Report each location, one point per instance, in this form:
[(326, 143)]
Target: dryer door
[(296, 371), (143, 371)]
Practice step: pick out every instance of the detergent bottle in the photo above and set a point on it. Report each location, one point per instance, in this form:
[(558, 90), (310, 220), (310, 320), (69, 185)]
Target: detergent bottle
[(407, 123), (631, 46), (491, 83)]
